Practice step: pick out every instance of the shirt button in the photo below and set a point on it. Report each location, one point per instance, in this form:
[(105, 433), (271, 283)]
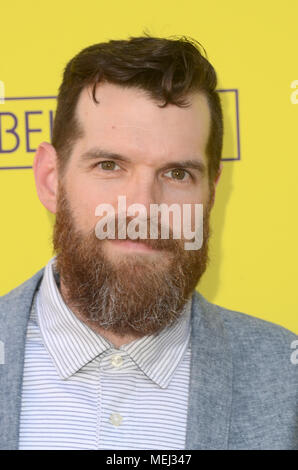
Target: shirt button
[(117, 360), (116, 419)]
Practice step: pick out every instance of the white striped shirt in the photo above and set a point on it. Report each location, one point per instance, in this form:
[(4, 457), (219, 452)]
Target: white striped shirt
[(81, 392)]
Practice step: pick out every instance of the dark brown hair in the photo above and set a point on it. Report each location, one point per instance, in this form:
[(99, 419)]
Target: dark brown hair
[(167, 69)]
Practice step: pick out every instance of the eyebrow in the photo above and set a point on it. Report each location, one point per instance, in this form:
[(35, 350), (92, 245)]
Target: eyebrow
[(96, 153)]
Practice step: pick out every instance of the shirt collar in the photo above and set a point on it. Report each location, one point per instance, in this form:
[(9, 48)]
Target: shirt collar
[(72, 344)]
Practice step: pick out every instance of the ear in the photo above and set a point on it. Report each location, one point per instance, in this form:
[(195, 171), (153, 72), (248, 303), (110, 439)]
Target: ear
[(215, 182), (46, 175)]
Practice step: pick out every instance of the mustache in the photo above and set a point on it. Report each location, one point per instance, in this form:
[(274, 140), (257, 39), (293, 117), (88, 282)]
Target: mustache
[(120, 225)]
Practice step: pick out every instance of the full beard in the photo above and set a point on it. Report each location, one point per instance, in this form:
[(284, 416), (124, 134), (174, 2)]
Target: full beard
[(137, 295)]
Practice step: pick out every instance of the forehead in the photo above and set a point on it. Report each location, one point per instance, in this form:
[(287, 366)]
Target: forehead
[(128, 118)]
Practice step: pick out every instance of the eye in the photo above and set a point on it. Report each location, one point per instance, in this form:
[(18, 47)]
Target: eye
[(108, 165), (178, 174)]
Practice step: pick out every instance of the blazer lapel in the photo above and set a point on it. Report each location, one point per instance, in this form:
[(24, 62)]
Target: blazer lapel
[(14, 314), (210, 393)]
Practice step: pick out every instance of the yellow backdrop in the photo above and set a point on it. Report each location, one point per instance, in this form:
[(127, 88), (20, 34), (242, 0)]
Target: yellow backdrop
[(253, 46)]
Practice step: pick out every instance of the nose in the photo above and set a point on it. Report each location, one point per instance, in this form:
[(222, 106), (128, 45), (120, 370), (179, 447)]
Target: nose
[(143, 190)]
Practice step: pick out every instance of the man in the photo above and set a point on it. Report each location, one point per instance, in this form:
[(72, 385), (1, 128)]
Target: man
[(109, 346)]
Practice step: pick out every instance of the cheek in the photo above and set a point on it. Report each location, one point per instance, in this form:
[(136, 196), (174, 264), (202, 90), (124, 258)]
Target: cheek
[(84, 197), (198, 195), (186, 218), (193, 217), (192, 205)]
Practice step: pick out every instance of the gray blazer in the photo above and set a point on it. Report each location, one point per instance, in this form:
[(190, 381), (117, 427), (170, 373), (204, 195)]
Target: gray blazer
[(243, 384)]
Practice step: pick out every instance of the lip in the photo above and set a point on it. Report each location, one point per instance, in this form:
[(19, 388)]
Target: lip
[(130, 245)]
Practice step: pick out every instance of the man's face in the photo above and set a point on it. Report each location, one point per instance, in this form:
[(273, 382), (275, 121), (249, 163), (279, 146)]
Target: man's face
[(150, 155)]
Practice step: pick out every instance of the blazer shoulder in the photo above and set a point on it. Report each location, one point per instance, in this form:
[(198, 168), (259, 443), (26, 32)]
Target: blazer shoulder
[(254, 342), (243, 325), (20, 294)]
